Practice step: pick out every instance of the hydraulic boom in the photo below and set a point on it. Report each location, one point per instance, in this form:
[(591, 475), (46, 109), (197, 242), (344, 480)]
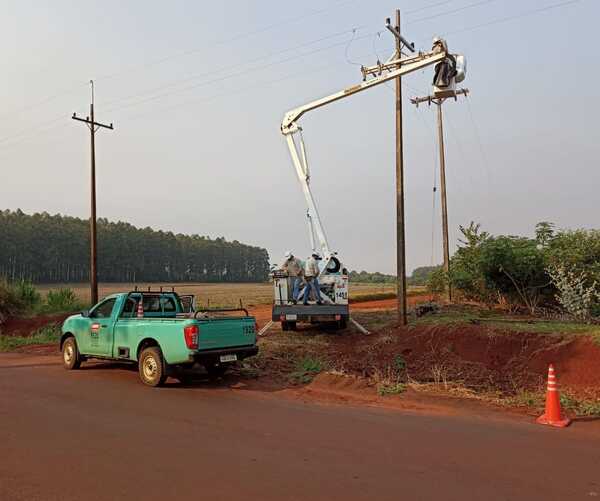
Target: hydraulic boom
[(383, 72)]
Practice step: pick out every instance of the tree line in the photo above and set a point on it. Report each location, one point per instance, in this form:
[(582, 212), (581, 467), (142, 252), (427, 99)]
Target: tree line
[(44, 248)]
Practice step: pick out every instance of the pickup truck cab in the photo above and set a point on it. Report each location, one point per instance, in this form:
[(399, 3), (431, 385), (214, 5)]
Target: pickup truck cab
[(156, 331)]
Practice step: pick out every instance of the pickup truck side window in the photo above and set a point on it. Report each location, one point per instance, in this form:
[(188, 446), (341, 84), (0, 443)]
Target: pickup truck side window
[(103, 310), (130, 308)]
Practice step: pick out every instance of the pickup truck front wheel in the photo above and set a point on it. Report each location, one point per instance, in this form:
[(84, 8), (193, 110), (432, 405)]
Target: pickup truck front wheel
[(152, 366), (70, 353)]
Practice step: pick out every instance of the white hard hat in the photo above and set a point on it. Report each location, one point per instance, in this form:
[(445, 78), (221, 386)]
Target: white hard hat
[(288, 254)]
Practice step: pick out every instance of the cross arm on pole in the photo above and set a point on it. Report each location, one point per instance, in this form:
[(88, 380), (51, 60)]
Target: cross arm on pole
[(93, 124)]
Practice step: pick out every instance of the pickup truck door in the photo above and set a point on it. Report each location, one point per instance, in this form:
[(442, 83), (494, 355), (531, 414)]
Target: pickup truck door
[(98, 340)]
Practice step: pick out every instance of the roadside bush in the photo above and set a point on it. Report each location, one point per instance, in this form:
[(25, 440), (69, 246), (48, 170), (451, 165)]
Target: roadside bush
[(27, 294), (466, 274), (62, 300), (515, 268), (17, 298), (504, 269), (10, 302), (576, 294), (437, 283)]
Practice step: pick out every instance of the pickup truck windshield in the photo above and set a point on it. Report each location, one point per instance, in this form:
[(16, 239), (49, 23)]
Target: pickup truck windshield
[(104, 309)]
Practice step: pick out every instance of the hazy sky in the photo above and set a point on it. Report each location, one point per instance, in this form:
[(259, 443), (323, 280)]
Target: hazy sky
[(197, 90)]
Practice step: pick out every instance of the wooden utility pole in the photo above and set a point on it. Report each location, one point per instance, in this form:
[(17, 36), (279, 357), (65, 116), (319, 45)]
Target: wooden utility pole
[(400, 233), (93, 126), (440, 126)]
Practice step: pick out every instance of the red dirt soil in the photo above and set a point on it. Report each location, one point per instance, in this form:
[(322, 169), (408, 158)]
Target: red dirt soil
[(25, 327), (473, 355)]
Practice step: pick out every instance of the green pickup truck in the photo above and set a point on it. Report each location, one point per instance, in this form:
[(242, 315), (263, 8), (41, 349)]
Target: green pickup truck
[(159, 332)]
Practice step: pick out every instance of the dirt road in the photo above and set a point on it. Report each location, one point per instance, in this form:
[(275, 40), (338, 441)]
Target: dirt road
[(98, 434)]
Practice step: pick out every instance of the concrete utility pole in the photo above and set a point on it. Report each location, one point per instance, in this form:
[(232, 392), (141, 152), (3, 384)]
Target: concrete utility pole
[(93, 126), (400, 233), (440, 126)]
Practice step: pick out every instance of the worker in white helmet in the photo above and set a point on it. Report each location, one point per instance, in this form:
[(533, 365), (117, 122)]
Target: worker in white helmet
[(311, 275), (295, 270)]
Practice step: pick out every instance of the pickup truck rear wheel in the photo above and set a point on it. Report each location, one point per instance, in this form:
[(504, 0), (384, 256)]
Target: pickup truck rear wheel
[(152, 366), (70, 353)]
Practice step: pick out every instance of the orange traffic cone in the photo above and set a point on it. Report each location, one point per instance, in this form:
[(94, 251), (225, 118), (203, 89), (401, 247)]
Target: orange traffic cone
[(140, 309), (553, 415)]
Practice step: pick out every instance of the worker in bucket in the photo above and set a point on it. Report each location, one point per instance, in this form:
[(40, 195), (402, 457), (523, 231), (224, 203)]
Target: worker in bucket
[(295, 270), (311, 275)]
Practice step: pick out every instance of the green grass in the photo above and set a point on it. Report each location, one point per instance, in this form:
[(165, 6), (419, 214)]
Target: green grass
[(587, 408), (572, 405), (46, 335), (306, 369), (384, 390)]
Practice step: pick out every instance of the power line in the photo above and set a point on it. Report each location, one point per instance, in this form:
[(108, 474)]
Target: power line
[(44, 101), (233, 66), (234, 38), (71, 90), (453, 11), (233, 75), (214, 97), (512, 18), (426, 7), (27, 132)]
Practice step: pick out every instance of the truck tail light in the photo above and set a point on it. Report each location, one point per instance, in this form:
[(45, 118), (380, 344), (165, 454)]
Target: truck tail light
[(191, 334)]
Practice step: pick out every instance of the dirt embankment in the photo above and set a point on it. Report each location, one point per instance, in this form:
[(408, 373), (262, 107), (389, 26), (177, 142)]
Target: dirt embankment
[(477, 357), (24, 327)]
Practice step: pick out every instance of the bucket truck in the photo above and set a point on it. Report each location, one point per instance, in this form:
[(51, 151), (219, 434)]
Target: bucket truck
[(334, 275)]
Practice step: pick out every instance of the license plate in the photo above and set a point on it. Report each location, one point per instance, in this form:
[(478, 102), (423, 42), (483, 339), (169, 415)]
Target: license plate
[(291, 317), (228, 358)]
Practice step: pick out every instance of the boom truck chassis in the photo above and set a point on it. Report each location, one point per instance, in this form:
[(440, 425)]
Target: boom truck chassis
[(333, 278)]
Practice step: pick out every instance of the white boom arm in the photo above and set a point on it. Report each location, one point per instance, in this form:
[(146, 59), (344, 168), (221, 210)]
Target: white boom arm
[(289, 127)]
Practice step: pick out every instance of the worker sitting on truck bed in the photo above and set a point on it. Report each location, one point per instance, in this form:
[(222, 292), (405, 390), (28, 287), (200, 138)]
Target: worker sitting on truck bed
[(295, 270), (311, 275)]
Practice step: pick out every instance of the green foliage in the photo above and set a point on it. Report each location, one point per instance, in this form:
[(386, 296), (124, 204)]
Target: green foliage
[(399, 363), (17, 298), (55, 249), (384, 390), (465, 266), (306, 369), (10, 302), (515, 267), (544, 233), (576, 250), (28, 294), (421, 275), (371, 278), (62, 300), (504, 268), (588, 408), (437, 283), (574, 295)]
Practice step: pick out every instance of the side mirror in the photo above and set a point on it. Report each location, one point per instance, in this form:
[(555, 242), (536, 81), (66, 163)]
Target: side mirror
[(85, 313)]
